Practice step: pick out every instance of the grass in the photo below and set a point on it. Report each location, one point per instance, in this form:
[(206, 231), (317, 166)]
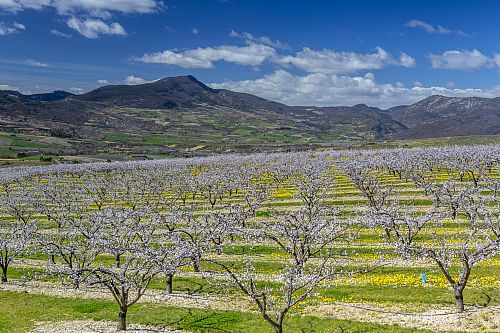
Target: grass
[(15, 307), (413, 296)]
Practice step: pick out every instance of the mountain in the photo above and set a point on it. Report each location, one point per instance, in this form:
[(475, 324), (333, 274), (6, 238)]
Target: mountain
[(172, 93), (439, 116), (178, 114), (27, 108), (53, 96)]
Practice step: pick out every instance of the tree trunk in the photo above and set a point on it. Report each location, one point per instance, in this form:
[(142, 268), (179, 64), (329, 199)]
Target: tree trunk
[(279, 329), (117, 259), (169, 283), (196, 265), (4, 274), (459, 300), (122, 316)]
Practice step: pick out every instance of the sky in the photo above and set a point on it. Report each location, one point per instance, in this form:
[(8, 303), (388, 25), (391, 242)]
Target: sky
[(323, 53)]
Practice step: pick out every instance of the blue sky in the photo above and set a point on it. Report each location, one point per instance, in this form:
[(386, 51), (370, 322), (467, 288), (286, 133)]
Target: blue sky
[(380, 53)]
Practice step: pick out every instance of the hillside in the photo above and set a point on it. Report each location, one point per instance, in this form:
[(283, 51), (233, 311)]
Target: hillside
[(439, 116), (180, 114)]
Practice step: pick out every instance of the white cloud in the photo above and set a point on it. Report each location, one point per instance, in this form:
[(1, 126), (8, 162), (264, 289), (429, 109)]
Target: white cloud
[(407, 61), (251, 55), (94, 7), (10, 28), (93, 28), (103, 82), (427, 27), (312, 61), (195, 31), (36, 63), (77, 90), (330, 89), (332, 62), (19, 26), (461, 60), (178, 59), (10, 5), (496, 60), (94, 12), (8, 87), (59, 33), (133, 80), (248, 37), (438, 29)]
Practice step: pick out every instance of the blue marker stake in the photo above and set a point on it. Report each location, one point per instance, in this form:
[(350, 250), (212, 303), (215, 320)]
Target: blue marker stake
[(424, 277)]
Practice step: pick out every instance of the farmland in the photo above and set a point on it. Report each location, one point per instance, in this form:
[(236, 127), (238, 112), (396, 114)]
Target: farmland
[(181, 116), (393, 240)]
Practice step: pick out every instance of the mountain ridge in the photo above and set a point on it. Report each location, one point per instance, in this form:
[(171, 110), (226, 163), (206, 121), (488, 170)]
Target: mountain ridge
[(178, 113)]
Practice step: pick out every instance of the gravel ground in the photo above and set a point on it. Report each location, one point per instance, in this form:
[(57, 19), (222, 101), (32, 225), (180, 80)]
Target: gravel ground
[(88, 326), (435, 319)]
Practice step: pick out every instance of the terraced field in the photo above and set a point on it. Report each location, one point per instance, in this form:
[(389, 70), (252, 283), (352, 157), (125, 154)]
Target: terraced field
[(244, 221)]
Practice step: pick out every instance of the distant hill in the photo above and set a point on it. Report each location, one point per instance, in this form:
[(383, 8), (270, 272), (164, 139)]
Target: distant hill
[(174, 92), (439, 116), (53, 96), (179, 114)]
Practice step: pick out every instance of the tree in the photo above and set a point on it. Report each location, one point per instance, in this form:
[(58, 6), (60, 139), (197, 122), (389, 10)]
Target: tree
[(170, 251), (13, 242), (128, 280), (15, 236), (304, 237), (464, 203)]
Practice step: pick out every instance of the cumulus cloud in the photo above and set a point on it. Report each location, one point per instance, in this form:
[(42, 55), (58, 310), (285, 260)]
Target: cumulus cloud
[(312, 61), (93, 28), (93, 11), (36, 63), (249, 38), (8, 87), (10, 28), (250, 55), (330, 89), (89, 6), (496, 60), (461, 60), (438, 29), (59, 33), (103, 82), (407, 61), (333, 62), (133, 80)]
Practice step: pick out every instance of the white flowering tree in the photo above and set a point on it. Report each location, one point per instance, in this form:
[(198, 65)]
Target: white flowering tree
[(18, 230), (466, 203), (304, 237)]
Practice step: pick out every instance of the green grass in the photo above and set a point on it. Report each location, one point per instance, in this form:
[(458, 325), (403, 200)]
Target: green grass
[(20, 312), (412, 295)]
